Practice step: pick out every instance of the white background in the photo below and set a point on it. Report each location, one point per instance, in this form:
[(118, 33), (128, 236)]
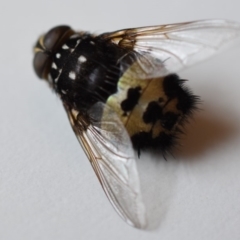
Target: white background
[(47, 187)]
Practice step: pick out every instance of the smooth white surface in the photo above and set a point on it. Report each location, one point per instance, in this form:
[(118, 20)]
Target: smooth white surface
[(47, 187)]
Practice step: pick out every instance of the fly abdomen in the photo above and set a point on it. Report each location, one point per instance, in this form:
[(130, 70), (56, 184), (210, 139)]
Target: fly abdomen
[(152, 110)]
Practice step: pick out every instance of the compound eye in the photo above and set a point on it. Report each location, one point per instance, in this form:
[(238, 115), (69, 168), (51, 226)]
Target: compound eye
[(46, 46), (40, 63), (54, 36)]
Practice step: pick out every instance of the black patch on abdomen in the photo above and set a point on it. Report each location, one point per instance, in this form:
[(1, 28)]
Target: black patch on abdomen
[(133, 96), (169, 119), (152, 113)]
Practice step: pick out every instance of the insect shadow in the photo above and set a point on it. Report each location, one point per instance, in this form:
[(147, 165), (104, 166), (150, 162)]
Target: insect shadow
[(205, 132)]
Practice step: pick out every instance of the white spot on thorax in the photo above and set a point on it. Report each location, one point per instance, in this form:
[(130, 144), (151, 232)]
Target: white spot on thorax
[(63, 91), (74, 36), (56, 80), (65, 46), (72, 75), (58, 55), (75, 113), (78, 41), (82, 59), (91, 42), (54, 66)]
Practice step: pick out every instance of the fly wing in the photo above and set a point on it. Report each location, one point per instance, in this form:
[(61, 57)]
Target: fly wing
[(165, 49), (109, 149)]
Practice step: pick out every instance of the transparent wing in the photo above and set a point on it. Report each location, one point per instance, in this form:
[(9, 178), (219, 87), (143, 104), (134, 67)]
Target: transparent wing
[(165, 49), (109, 149)]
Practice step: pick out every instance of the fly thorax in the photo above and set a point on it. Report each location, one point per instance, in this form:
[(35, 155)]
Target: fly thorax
[(88, 73)]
